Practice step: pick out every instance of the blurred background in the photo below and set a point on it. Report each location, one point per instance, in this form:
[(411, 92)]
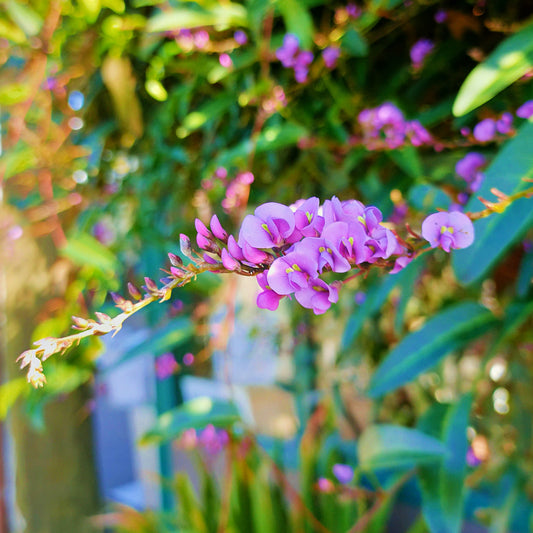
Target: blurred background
[(406, 407)]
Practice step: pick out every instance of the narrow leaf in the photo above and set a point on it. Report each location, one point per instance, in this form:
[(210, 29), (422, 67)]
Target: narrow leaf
[(421, 350), (497, 233), (509, 62), (388, 446)]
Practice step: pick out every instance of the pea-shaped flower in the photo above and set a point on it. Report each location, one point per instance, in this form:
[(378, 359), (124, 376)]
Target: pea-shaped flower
[(448, 230)]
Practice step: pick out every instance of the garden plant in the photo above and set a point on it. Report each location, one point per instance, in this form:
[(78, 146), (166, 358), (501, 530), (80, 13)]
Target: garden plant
[(369, 165)]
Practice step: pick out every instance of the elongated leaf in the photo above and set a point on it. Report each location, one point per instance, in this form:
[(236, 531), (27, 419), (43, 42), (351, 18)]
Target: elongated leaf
[(509, 62), (375, 298), (197, 413), (443, 486), (226, 14), (498, 232), (525, 277), (297, 21), (387, 446), (421, 350), (516, 315), (161, 340), (85, 250)]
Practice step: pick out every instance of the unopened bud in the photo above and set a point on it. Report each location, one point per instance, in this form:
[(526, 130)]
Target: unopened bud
[(218, 231), (201, 228), (117, 298), (185, 246), (134, 291), (229, 262), (102, 317), (175, 260), (150, 284), (80, 322)]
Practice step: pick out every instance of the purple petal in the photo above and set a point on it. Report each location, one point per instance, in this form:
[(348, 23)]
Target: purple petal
[(343, 473)]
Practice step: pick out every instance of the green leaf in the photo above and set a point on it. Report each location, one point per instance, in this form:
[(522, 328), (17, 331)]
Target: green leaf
[(445, 332), (516, 314), (160, 341), (388, 446), (509, 62), (443, 486), (408, 160), (208, 111), (298, 21), (223, 15), (354, 44), (197, 414), (85, 250), (375, 298), (525, 276), (495, 234)]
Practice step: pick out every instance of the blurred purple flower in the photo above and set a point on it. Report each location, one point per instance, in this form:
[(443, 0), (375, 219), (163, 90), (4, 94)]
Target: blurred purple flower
[(291, 56), (343, 473), (240, 37), (505, 123), (353, 10), (448, 230), (188, 359), (471, 458), (485, 130), (440, 16), (331, 55), (525, 110), (325, 485), (165, 365), (267, 298), (419, 51), (225, 60), (469, 168)]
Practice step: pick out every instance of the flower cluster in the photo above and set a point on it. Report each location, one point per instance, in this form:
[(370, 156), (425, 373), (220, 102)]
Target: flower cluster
[(292, 247), (291, 56), (386, 125), (210, 440), (469, 168)]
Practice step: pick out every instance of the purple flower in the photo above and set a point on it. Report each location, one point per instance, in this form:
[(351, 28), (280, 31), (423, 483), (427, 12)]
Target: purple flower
[(343, 473), (331, 55), (225, 60), (188, 359), (419, 51), (165, 365), (291, 57), (271, 225), (213, 440), (337, 211), (291, 273), (525, 110), (267, 298), (307, 220), (318, 296), (505, 123), (201, 38), (485, 130), (441, 16), (240, 37), (469, 168), (471, 458), (353, 10), (400, 264), (325, 485), (287, 52), (448, 230)]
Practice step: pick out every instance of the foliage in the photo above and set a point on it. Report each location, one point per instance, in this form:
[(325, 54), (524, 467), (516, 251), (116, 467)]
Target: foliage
[(127, 120)]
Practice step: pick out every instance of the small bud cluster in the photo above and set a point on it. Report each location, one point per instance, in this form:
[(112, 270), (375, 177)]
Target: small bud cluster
[(291, 56), (386, 125), (210, 440)]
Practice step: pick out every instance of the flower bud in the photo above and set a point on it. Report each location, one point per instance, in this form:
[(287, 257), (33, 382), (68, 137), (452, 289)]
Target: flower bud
[(134, 291), (218, 231), (175, 260)]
